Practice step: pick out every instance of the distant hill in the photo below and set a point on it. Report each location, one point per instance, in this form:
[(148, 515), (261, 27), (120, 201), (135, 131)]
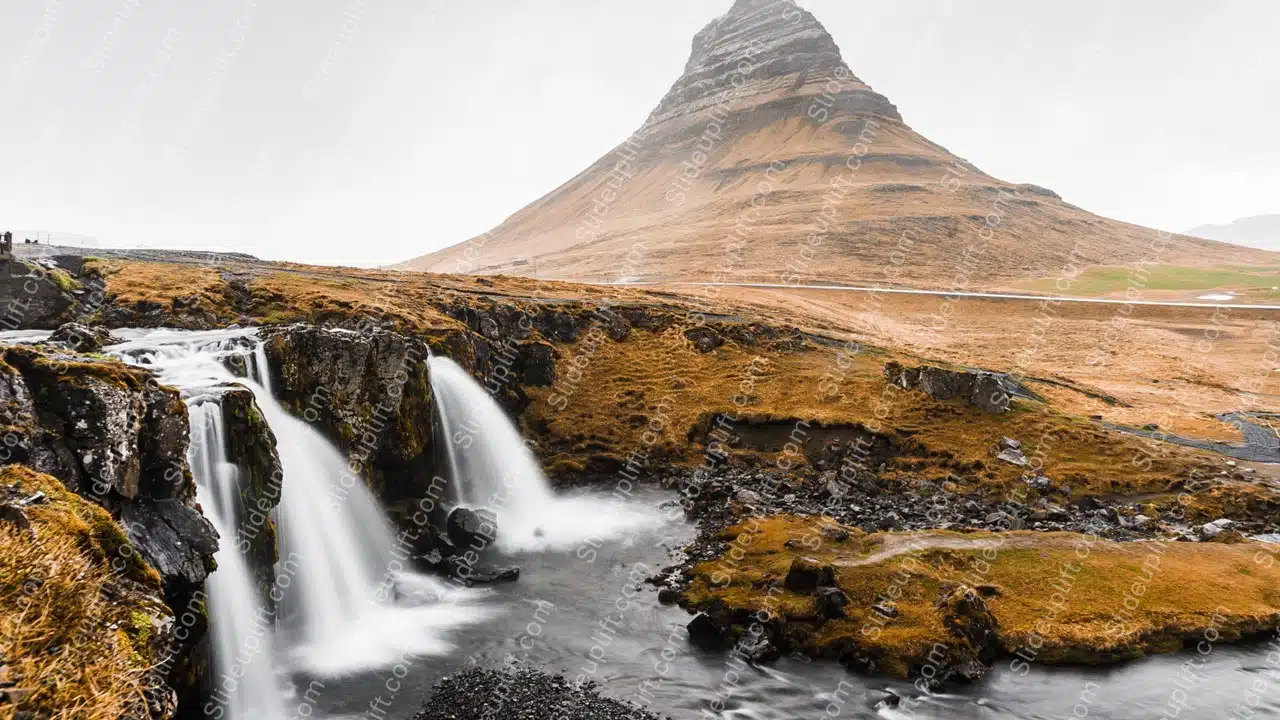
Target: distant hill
[(1260, 231), (770, 161)]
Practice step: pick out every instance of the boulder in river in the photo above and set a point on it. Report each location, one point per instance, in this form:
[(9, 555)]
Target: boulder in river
[(711, 629), (758, 648), (82, 338), (458, 567), (468, 528)]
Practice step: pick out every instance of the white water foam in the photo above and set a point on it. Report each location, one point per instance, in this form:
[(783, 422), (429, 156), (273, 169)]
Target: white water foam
[(494, 469)]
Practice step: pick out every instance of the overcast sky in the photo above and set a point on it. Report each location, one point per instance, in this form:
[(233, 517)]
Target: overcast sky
[(370, 131)]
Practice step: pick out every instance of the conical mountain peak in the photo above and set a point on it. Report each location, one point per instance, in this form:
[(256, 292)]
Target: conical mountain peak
[(770, 161), (766, 52)]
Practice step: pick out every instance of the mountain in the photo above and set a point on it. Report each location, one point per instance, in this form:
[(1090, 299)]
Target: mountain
[(770, 161), (1260, 231)]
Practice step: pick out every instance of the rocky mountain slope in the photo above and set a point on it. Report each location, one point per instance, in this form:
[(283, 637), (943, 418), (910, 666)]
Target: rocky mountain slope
[(769, 160)]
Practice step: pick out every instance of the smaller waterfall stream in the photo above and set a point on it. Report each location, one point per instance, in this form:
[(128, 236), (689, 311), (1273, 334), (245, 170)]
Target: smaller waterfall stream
[(243, 654), (494, 469)]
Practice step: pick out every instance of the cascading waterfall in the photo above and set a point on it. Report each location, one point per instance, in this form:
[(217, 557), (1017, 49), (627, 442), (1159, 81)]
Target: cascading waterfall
[(351, 606), (494, 469), (246, 685)]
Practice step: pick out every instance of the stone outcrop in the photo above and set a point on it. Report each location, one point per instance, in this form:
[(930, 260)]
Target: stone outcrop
[(985, 390), (251, 445), (45, 293), (806, 574), (369, 393), (112, 435), (82, 338)]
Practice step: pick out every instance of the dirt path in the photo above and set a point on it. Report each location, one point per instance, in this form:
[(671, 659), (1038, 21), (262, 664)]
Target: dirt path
[(895, 545)]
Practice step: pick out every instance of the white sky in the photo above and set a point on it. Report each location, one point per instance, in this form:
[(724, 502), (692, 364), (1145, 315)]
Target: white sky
[(158, 122)]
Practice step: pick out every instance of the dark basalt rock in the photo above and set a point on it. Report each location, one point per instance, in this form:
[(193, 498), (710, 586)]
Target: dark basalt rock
[(458, 567), (974, 646), (704, 338), (985, 390), (173, 537), (706, 633), (758, 648), (252, 445), (369, 392), (468, 528), (539, 361), (114, 436), (557, 325), (831, 602), (712, 629), (806, 575), (31, 298), (82, 338)]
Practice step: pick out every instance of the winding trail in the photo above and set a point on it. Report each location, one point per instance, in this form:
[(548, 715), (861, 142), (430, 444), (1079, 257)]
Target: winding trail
[(895, 545)]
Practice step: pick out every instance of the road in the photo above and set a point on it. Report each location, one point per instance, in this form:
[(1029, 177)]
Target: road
[(944, 293)]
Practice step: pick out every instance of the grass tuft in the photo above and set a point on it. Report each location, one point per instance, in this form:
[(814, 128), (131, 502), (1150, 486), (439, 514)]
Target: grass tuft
[(77, 637)]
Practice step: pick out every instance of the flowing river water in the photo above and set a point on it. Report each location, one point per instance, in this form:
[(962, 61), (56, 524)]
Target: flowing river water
[(580, 606)]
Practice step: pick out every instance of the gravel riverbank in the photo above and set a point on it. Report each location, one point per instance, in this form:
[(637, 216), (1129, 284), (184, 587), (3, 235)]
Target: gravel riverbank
[(522, 694)]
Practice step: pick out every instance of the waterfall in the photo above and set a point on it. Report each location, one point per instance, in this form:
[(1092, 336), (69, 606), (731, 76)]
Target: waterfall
[(494, 469), (246, 685), (350, 602)]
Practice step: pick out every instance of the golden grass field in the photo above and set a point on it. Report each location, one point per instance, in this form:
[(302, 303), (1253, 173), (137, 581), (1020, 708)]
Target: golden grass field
[(1057, 597), (1159, 367)]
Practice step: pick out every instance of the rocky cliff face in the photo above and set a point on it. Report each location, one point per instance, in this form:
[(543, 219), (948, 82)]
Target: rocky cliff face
[(251, 445), (113, 436), (49, 291), (769, 160), (370, 394)]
